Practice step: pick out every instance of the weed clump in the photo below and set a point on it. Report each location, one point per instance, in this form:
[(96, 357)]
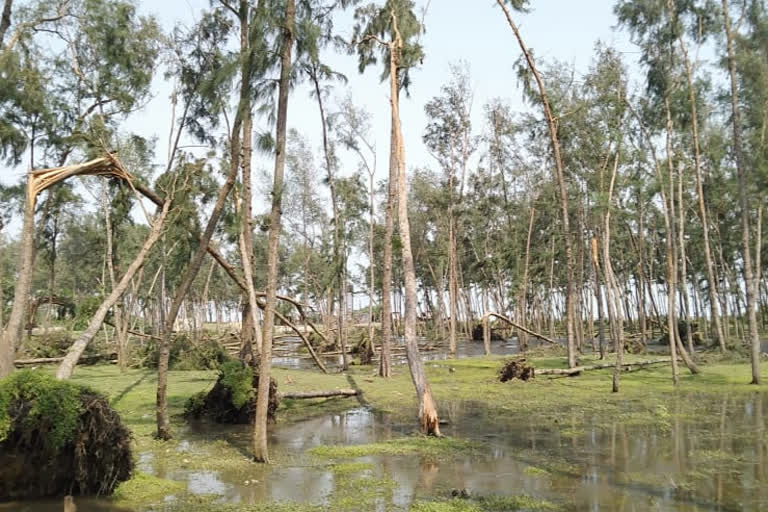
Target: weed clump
[(233, 398), (59, 438)]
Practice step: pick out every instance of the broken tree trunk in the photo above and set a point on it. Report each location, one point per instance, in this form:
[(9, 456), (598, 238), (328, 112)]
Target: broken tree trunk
[(76, 350), (487, 330)]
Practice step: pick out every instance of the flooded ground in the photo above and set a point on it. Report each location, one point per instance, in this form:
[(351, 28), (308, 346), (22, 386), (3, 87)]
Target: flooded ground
[(699, 452), (717, 460), (291, 352)]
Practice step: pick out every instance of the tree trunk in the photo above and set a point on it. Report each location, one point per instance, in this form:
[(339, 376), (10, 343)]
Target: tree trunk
[(250, 329), (11, 337), (522, 335), (244, 105), (260, 449), (67, 366), (560, 176), (385, 359), (5, 20), (428, 420), (371, 269), (746, 251), (711, 277), (669, 216), (598, 298), (338, 251)]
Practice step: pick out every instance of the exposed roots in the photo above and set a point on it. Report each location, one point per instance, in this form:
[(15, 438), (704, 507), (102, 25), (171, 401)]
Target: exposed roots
[(89, 460), (516, 369)]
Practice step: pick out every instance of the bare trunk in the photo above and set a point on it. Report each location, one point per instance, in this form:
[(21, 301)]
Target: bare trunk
[(750, 283), (13, 331), (560, 176), (522, 335), (5, 20), (428, 420), (250, 330), (260, 449), (385, 359), (711, 277), (598, 297)]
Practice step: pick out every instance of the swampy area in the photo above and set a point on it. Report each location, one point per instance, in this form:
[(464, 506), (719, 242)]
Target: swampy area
[(549, 443)]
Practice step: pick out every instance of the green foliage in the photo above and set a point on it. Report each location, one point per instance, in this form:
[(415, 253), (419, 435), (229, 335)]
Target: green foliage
[(239, 379), (373, 21), (35, 401), (206, 354)]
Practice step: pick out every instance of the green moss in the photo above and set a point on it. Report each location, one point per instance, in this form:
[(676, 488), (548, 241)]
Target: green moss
[(432, 447), (42, 403), (533, 470), (144, 488)]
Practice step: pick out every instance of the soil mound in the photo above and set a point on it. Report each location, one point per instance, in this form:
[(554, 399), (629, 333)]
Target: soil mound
[(233, 398), (58, 438)]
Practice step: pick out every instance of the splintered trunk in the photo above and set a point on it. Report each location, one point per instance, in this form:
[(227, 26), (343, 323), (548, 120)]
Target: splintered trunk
[(428, 420), (750, 282), (11, 336), (67, 366), (385, 359), (260, 449), (560, 177)]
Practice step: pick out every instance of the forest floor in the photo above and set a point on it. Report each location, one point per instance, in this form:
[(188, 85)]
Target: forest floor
[(571, 404)]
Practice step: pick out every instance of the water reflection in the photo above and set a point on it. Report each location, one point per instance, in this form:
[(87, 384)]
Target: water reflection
[(709, 455)]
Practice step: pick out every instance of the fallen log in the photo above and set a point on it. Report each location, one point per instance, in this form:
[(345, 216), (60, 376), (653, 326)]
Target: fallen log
[(578, 369), (48, 360), (319, 394)]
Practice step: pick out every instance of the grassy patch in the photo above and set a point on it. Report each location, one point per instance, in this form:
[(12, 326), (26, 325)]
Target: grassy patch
[(486, 504), (357, 488), (144, 488), (430, 447)]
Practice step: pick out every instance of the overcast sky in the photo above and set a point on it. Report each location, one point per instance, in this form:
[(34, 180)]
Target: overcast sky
[(474, 31)]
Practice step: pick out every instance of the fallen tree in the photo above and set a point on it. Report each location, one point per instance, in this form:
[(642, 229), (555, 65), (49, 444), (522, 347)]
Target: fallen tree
[(319, 394), (576, 370)]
